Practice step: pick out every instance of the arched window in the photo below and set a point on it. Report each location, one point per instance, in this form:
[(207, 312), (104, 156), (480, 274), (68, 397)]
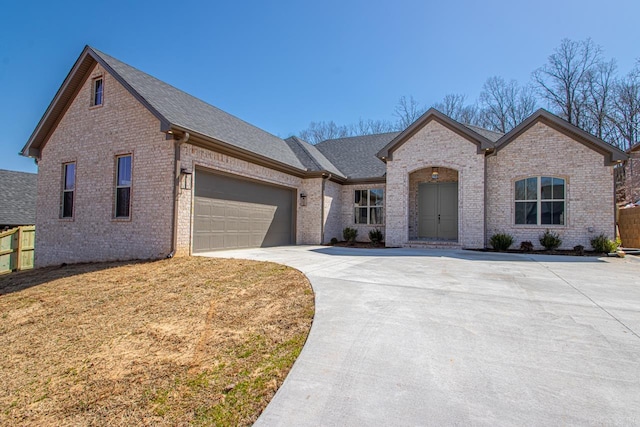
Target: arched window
[(540, 200)]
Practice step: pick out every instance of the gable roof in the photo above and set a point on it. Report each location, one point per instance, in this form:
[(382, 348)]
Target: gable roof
[(18, 192), (176, 110), (611, 154), (356, 156), (482, 142)]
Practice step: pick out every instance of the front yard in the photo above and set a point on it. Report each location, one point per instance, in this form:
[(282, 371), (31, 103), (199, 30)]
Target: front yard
[(181, 341)]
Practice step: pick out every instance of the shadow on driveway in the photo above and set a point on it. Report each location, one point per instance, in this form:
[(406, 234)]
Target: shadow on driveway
[(468, 255)]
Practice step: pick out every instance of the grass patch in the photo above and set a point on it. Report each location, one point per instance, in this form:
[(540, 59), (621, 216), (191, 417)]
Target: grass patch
[(184, 341)]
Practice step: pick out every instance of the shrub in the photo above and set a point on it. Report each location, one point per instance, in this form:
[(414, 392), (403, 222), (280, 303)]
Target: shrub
[(550, 240), (526, 246), (375, 236), (603, 244), (579, 250), (350, 234), (501, 241), (334, 241)]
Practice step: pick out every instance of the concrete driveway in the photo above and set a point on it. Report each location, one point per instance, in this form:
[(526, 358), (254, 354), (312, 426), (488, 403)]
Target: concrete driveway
[(428, 337)]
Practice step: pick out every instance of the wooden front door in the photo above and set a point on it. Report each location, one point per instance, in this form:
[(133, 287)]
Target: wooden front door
[(438, 210)]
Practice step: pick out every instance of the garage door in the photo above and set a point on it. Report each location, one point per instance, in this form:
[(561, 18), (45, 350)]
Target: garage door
[(231, 213)]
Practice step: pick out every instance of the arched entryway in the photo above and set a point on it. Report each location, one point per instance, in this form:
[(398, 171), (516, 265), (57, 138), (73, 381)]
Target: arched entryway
[(433, 204)]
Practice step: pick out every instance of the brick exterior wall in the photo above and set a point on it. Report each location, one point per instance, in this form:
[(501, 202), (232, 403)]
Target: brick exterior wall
[(308, 218), (436, 145), (543, 151), (333, 224), (92, 137), (632, 177), (348, 211)]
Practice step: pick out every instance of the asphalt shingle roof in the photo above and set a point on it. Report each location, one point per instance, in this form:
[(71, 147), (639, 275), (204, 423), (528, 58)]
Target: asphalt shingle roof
[(311, 157), (189, 112), (491, 135), (17, 198), (356, 156)]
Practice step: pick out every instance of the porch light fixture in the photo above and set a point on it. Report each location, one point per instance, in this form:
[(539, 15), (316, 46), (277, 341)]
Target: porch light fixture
[(303, 199), (185, 179), (434, 174)]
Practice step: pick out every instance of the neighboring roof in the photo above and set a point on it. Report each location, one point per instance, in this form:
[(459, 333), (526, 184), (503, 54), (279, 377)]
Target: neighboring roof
[(356, 156), (468, 132), (611, 154), (18, 192), (173, 107), (634, 148), (311, 157)]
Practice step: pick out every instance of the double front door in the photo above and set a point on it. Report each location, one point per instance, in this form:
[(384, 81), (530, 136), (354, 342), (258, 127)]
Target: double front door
[(438, 210)]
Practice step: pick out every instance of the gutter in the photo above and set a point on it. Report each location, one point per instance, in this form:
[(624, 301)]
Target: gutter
[(176, 192)]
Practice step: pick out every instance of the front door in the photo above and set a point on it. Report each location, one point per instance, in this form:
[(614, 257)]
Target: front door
[(438, 210)]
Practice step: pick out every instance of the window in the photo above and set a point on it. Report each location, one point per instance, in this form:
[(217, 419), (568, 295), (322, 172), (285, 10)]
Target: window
[(368, 206), (540, 201), (68, 190), (123, 186), (97, 91)]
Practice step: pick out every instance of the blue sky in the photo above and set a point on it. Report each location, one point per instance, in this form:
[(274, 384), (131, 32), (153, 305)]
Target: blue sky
[(282, 64)]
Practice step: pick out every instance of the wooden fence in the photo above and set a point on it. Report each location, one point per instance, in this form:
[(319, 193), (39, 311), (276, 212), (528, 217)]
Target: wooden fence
[(16, 248), (629, 227)]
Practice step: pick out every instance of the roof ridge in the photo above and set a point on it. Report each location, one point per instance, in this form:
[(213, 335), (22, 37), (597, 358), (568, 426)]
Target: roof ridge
[(357, 136), (298, 141), (100, 53)]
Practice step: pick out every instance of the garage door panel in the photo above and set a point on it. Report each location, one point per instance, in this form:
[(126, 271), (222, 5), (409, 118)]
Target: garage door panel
[(234, 213)]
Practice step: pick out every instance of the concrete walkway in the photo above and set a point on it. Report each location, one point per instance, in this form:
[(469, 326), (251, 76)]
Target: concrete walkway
[(426, 337)]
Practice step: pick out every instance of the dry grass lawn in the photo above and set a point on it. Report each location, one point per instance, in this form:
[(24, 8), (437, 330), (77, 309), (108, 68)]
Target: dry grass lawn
[(184, 341)]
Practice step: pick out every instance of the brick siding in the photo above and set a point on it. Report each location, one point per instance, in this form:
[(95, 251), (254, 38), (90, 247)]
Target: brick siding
[(436, 145), (543, 151), (92, 137)]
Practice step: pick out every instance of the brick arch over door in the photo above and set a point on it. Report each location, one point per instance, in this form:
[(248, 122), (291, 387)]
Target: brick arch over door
[(421, 176)]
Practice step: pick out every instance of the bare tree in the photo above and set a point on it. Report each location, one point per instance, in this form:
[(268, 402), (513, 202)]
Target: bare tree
[(504, 105), (626, 109), (600, 81), (370, 127), (320, 131), (563, 81), (452, 105), (407, 111)]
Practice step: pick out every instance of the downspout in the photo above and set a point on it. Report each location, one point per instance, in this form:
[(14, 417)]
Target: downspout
[(324, 180), (176, 192)]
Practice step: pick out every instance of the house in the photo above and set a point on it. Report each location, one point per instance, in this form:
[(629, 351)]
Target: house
[(17, 198), (131, 167), (632, 175)]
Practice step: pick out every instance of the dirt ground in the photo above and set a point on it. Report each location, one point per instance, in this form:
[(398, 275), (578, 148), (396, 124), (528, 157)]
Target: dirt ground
[(184, 341)]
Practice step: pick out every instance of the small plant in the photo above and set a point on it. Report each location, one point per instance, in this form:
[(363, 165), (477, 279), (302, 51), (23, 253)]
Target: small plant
[(526, 246), (501, 241), (579, 250), (603, 244), (550, 240), (375, 236), (349, 235), (334, 241)]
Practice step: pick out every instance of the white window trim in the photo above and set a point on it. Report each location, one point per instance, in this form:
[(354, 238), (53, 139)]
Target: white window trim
[(539, 201), (368, 207)]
